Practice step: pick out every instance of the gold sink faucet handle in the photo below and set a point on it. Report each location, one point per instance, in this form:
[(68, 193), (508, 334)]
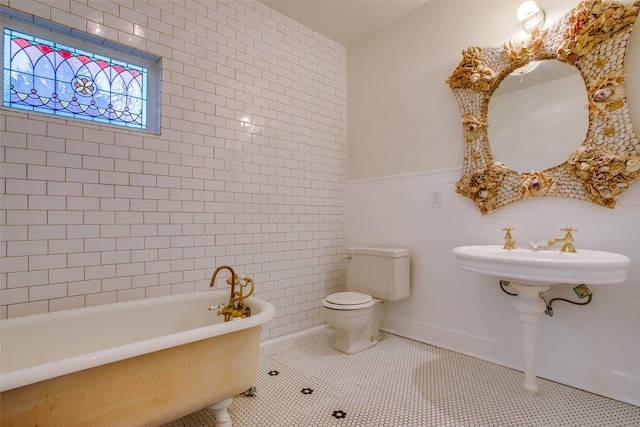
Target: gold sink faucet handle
[(509, 241), (567, 240)]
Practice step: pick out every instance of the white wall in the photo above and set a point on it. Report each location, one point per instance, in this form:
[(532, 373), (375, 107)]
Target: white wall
[(405, 146), (249, 169)]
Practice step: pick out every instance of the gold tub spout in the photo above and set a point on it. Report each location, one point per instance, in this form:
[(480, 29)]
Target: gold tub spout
[(234, 276), (235, 308)]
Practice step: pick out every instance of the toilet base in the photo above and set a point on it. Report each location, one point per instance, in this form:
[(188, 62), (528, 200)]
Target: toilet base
[(345, 346), (354, 341)]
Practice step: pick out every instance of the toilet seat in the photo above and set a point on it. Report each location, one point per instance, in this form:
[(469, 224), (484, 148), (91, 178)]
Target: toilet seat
[(348, 301)]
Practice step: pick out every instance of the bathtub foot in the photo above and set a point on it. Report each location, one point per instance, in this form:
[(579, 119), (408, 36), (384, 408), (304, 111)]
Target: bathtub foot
[(223, 419), (250, 392)]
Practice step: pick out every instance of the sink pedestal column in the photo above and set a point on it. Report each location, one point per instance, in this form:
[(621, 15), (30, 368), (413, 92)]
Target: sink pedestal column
[(529, 306)]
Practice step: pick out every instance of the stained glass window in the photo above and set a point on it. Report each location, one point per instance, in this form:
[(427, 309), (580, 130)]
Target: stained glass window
[(45, 76)]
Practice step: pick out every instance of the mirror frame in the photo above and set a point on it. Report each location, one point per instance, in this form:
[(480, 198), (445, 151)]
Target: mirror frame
[(593, 37)]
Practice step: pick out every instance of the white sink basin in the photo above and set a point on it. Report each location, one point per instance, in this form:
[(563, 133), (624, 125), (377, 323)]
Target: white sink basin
[(546, 266)]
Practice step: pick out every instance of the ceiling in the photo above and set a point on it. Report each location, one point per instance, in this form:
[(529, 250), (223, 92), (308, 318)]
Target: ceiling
[(345, 21)]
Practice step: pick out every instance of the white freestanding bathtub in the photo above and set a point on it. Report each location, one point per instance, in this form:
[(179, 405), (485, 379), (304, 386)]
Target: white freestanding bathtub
[(138, 363)]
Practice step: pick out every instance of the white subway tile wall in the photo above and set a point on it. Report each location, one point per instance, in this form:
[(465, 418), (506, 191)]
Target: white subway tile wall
[(249, 168)]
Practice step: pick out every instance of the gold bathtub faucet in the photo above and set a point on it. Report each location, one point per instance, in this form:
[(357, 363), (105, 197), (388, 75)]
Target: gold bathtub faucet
[(235, 308)]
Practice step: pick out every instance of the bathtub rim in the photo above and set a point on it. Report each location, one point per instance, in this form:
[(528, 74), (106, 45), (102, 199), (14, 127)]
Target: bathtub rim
[(262, 312)]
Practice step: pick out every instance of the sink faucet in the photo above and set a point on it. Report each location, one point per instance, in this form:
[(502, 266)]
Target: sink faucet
[(509, 241), (567, 240), (235, 307)]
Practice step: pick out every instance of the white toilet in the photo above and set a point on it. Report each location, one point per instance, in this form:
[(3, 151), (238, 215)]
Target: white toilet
[(373, 276)]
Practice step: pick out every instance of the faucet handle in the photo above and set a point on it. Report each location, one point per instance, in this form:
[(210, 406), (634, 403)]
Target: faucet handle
[(568, 240), (509, 241), (569, 237)]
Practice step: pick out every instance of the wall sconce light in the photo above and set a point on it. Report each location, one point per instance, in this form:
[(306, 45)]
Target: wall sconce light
[(530, 15)]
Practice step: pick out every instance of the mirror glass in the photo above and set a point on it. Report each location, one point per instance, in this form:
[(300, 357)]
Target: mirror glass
[(538, 119)]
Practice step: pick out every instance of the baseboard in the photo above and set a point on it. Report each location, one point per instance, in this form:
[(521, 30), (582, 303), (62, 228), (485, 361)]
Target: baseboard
[(293, 334)]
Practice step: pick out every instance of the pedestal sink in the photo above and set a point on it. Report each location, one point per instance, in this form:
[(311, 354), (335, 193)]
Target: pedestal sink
[(532, 272)]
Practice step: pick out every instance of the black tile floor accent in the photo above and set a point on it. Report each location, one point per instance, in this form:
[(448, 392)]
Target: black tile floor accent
[(401, 382)]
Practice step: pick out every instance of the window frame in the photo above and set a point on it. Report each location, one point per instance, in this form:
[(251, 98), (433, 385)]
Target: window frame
[(57, 33)]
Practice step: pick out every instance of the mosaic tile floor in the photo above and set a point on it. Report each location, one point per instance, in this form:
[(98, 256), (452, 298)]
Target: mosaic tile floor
[(302, 381)]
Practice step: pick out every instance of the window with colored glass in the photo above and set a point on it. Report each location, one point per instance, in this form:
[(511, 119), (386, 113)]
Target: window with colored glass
[(46, 75)]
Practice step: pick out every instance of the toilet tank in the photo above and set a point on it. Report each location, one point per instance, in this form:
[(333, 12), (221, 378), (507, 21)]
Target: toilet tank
[(380, 272)]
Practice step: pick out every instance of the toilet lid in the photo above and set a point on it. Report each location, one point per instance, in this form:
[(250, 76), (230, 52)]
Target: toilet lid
[(349, 298)]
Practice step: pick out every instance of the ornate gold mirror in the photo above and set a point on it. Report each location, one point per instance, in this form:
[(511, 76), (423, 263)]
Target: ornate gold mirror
[(602, 154)]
